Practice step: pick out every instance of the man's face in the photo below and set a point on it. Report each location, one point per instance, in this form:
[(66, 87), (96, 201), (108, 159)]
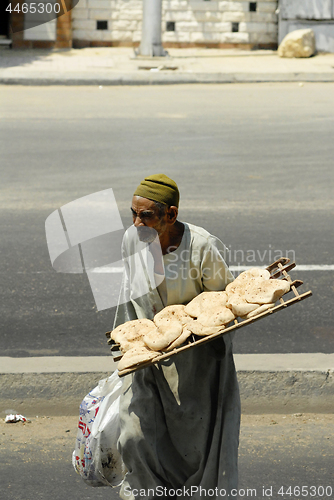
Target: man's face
[(146, 218)]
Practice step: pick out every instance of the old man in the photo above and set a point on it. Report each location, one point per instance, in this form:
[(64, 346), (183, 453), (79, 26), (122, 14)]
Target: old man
[(180, 418)]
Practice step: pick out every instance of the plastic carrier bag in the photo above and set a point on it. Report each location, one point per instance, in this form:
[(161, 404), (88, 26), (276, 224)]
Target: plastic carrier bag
[(96, 457)]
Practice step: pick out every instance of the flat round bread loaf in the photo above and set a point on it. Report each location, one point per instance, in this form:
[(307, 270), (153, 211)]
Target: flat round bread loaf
[(182, 338), (135, 356), (266, 292), (246, 278), (240, 287), (132, 331), (205, 301), (234, 288), (216, 317), (256, 272), (259, 310), (169, 329), (240, 307), (198, 329), (126, 345), (176, 311), (197, 304)]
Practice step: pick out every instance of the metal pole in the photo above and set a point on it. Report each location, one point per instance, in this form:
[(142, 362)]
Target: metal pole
[(151, 31)]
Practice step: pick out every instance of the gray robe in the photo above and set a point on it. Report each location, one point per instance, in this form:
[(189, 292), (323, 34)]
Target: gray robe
[(180, 418)]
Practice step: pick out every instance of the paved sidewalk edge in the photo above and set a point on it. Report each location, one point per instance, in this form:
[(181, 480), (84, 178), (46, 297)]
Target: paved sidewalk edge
[(164, 78), (318, 362), (269, 383)]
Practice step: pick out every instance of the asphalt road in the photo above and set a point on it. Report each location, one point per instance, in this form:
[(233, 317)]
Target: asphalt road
[(254, 164), (276, 452)]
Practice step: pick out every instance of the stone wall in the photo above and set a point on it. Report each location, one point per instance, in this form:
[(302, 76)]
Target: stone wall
[(184, 23)]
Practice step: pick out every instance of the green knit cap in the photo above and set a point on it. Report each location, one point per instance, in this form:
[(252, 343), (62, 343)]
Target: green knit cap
[(159, 187)]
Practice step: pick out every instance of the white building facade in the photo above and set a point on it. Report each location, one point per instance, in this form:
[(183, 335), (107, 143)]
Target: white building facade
[(185, 23)]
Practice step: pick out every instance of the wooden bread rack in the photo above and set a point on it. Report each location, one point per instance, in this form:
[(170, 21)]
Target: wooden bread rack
[(278, 270)]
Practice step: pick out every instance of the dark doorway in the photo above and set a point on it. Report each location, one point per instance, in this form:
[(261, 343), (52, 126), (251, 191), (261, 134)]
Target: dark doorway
[(4, 20)]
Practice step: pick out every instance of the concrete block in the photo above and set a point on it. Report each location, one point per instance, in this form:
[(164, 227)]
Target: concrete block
[(219, 27), (183, 37), (234, 37), (129, 5), (124, 25), (253, 27), (262, 38), (233, 6), (266, 7), (106, 35), (261, 17), (136, 36), (121, 35), (84, 24), (249, 17), (169, 36), (175, 4), (212, 36), (134, 15), (103, 14), (179, 37), (201, 5), (205, 37), (101, 4), (234, 17), (87, 35), (178, 15), (197, 37), (208, 16), (188, 26), (116, 15), (79, 14)]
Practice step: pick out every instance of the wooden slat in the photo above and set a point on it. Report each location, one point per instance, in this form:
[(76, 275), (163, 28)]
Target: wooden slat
[(296, 283), (115, 347), (281, 269), (285, 274), (204, 340), (283, 260)]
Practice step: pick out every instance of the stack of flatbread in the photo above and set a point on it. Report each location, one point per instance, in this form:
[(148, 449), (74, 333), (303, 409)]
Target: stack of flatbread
[(142, 340), (210, 313), (251, 293), (130, 337)]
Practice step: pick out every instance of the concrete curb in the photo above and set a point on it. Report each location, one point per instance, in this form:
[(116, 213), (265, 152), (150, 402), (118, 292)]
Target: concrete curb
[(269, 383), (162, 78)]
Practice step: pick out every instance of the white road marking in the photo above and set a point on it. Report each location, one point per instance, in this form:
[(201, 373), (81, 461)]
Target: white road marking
[(117, 270), (301, 267), (106, 269), (306, 267)]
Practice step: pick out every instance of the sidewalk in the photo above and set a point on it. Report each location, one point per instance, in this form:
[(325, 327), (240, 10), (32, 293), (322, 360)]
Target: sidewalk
[(119, 66), (269, 383)]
